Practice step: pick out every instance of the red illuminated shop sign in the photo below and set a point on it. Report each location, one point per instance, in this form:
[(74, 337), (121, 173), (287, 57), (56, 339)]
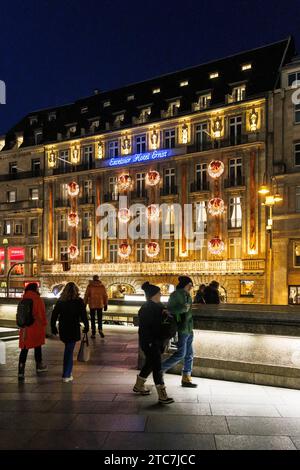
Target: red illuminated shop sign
[(16, 255), (2, 260)]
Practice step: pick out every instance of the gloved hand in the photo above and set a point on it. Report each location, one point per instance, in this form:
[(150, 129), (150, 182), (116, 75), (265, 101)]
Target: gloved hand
[(54, 330), (105, 308)]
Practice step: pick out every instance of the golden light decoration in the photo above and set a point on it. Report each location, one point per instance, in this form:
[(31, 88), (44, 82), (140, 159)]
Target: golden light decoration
[(217, 127), (154, 139), (75, 155), (73, 251), (124, 181), (73, 219), (152, 212), (100, 152), (152, 249), (124, 250), (51, 159), (215, 168), (124, 215), (216, 246), (184, 133), (152, 178), (126, 145), (253, 120), (73, 189), (216, 206)]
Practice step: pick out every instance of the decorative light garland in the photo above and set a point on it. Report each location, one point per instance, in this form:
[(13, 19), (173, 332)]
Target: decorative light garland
[(215, 168), (152, 249), (73, 189), (73, 251), (216, 246), (73, 219), (152, 178), (124, 182), (124, 250), (152, 212), (216, 206)]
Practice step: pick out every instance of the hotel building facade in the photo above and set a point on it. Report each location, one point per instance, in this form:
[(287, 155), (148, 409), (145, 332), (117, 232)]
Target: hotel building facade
[(207, 136)]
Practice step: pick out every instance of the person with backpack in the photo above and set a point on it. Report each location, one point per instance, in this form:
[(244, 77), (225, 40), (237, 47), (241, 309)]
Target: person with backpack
[(154, 331), (70, 311), (31, 317), (96, 298), (180, 305)]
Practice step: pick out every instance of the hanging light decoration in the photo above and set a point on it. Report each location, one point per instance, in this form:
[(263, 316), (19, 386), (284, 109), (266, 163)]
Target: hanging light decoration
[(73, 219), (216, 206), (73, 251), (124, 182), (152, 212), (215, 168), (124, 215), (216, 246), (152, 178), (73, 189), (124, 250), (152, 249)]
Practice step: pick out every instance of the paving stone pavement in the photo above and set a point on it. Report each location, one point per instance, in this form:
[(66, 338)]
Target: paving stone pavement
[(99, 410)]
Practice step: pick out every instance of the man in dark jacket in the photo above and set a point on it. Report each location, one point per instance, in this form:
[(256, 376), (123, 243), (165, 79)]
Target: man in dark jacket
[(211, 293)]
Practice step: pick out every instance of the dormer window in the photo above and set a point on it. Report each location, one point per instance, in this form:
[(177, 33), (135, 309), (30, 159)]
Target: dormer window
[(84, 109), (106, 104), (184, 83), (214, 75), (156, 90), (33, 120), (144, 114), (38, 137), (130, 97), (95, 124), (203, 102), (173, 107), (294, 77), (246, 67), (119, 119), (52, 116), (238, 93), (72, 129)]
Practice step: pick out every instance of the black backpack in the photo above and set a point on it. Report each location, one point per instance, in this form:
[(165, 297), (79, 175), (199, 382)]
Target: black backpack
[(169, 327), (25, 313)]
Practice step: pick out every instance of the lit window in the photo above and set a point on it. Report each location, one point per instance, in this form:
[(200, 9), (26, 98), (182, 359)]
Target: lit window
[(18, 228), (235, 212), (34, 226), (84, 109), (293, 77), (200, 221), (34, 194), (33, 120), (297, 154), (140, 252), (106, 104), (63, 251), (155, 90), (246, 67), (140, 143), (7, 227), (52, 116), (239, 93), (235, 248), (11, 196), (169, 138), (38, 137), (130, 97), (87, 253), (214, 75), (297, 254), (113, 253), (184, 83), (170, 250), (203, 102), (113, 148)]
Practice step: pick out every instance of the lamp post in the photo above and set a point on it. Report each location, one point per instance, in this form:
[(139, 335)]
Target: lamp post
[(269, 190)]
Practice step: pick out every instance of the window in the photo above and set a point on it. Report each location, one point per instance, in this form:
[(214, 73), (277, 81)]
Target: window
[(144, 114), (11, 196), (169, 219), (63, 189), (38, 137), (155, 90), (86, 225), (214, 75), (52, 116), (35, 166), (130, 97), (201, 135), (33, 120), (118, 120), (140, 143), (235, 130), (169, 180), (34, 224), (63, 159), (84, 109), (87, 155), (235, 172), (34, 194), (294, 295), (239, 93), (235, 248), (113, 253), (184, 83), (140, 184), (87, 253), (87, 190), (106, 104), (63, 251), (246, 67), (297, 113), (200, 222), (62, 227), (201, 176), (297, 198), (7, 227), (203, 101), (235, 212), (297, 153), (172, 108), (170, 250), (140, 252), (13, 168), (113, 148), (18, 228), (293, 77), (296, 254), (33, 259), (169, 138)]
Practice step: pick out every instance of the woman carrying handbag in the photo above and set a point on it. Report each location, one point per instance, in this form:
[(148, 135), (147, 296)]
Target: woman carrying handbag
[(70, 311)]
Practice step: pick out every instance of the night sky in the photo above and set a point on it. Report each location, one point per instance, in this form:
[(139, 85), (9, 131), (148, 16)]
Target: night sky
[(54, 52)]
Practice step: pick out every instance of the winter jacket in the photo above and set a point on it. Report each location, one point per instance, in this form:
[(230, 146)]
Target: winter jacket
[(95, 295), (199, 298), (180, 305), (69, 315), (34, 335), (211, 295), (150, 320)]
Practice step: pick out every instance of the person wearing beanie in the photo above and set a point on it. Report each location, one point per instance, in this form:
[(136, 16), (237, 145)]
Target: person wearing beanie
[(150, 321), (180, 305)]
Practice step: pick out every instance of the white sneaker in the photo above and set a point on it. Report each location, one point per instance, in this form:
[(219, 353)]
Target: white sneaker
[(67, 379)]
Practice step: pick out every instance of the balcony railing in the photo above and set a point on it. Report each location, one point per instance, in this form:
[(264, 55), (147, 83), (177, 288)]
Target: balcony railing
[(69, 168), (62, 203), (221, 143), (87, 200), (21, 175), (234, 182), (199, 186), (139, 194), (169, 191), (111, 197), (19, 205)]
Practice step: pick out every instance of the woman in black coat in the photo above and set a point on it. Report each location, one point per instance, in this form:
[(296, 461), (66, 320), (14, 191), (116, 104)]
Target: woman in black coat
[(69, 311), (151, 343)]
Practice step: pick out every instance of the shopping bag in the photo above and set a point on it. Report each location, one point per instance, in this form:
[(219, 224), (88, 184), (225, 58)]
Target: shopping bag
[(84, 350)]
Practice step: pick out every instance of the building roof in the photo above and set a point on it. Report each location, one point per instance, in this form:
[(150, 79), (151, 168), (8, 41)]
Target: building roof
[(262, 77)]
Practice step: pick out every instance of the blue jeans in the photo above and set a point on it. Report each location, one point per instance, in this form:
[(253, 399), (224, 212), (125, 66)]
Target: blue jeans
[(184, 353), (68, 359)]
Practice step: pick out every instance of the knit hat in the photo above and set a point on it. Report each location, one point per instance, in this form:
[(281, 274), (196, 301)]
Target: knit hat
[(150, 289), (184, 281)]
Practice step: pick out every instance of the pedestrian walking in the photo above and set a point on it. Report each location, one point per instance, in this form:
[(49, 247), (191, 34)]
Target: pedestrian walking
[(151, 316), (96, 298), (199, 297), (211, 293), (33, 336), (180, 305), (69, 311)]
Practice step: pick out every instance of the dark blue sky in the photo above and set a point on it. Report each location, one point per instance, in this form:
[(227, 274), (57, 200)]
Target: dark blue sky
[(53, 52)]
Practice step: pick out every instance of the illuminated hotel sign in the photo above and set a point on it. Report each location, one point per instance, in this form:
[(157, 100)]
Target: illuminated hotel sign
[(139, 158)]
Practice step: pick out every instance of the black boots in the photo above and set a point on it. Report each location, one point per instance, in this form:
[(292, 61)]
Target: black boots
[(21, 372)]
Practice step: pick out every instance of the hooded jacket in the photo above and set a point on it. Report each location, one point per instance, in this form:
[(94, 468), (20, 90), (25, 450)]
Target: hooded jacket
[(95, 295), (180, 305), (34, 336)]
